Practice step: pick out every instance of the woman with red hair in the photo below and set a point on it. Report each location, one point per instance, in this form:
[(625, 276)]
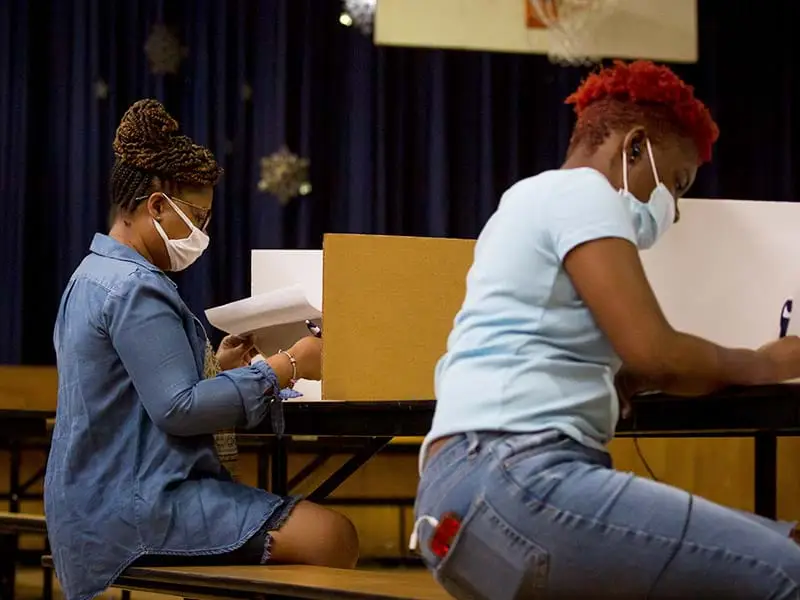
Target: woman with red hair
[(518, 497)]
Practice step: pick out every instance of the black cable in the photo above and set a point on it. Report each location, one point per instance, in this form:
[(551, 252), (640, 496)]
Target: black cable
[(644, 460), (677, 548), (641, 454), (685, 528)]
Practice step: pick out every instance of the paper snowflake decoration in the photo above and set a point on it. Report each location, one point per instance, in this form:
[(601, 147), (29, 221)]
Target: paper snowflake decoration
[(360, 13), (284, 175), (164, 51), (100, 89)]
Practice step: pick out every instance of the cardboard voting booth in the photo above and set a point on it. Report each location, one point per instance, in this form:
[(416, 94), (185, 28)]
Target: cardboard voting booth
[(387, 303), (388, 306)]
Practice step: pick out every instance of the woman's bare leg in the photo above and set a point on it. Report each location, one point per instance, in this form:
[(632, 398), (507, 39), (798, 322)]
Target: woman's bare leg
[(315, 535)]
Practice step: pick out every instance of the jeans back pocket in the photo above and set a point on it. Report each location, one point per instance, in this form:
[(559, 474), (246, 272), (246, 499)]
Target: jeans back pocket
[(490, 560)]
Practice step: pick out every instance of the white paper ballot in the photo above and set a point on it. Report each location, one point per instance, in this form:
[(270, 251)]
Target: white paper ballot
[(280, 307), (276, 319)]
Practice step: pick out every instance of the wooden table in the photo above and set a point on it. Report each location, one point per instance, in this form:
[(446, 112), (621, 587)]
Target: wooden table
[(761, 412), (28, 388)]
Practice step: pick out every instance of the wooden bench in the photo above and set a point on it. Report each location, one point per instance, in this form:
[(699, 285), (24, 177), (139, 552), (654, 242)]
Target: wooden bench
[(16, 523), (11, 526), (281, 582)]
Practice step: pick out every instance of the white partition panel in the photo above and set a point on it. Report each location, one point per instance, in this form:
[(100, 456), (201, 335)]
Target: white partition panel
[(726, 268)]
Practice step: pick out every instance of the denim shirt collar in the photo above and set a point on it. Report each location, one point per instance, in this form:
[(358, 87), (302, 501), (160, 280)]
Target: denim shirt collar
[(104, 245)]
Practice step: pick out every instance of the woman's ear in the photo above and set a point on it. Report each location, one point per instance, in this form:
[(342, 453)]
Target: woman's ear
[(633, 144), (156, 205)]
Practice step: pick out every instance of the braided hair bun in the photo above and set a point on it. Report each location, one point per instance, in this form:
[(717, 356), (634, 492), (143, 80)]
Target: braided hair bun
[(147, 139)]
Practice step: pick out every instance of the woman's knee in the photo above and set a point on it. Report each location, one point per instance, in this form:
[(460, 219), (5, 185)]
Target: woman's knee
[(341, 546), (316, 535)]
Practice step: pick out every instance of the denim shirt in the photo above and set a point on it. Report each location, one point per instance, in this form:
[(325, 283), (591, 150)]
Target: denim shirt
[(133, 468)]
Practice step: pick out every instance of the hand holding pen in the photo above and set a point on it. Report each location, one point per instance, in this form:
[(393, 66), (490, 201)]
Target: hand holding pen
[(314, 329)]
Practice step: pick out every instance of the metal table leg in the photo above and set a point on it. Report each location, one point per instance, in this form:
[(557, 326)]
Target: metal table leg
[(370, 449), (766, 475), (280, 468), (262, 466), (10, 543)]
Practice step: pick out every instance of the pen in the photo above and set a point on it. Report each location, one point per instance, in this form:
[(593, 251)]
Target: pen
[(786, 316), (314, 329)]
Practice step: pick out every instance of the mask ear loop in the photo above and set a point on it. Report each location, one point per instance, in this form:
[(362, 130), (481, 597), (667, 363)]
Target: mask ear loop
[(652, 161), (675, 212), (181, 214), (625, 169)]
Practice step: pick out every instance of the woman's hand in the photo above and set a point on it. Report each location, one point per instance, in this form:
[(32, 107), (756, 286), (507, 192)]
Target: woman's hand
[(235, 351), (308, 354), (628, 385), (784, 358)]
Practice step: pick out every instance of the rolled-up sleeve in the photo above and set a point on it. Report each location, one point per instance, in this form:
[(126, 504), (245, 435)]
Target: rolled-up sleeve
[(146, 329), (587, 209)]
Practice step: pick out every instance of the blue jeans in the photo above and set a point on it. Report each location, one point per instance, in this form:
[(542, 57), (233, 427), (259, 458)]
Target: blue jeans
[(543, 516)]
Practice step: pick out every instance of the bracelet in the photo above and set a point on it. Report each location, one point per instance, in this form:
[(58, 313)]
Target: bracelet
[(292, 360)]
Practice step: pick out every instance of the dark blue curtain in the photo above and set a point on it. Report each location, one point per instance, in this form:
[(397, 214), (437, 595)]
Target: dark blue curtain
[(401, 141)]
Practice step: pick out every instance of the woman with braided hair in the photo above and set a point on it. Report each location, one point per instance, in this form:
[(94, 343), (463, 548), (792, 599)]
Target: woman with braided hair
[(518, 497), (134, 476)]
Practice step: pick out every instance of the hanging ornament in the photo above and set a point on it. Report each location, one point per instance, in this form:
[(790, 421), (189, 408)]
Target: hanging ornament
[(100, 89), (246, 92), (359, 13), (285, 175), (164, 51)]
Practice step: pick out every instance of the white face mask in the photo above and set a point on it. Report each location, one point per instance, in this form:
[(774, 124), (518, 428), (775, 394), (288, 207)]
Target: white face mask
[(185, 251), (650, 219)]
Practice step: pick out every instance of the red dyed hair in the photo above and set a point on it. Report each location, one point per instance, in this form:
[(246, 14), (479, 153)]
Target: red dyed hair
[(640, 93)]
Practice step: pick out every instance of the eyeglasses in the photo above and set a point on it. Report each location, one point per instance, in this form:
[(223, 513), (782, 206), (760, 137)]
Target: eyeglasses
[(201, 216)]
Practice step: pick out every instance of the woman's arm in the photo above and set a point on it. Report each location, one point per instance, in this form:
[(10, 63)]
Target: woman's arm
[(632, 383), (147, 332), (609, 277)]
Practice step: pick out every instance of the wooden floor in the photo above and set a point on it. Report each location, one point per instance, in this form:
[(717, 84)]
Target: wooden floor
[(29, 587)]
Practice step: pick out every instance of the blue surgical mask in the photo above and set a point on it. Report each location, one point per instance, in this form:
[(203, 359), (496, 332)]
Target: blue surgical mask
[(650, 219)]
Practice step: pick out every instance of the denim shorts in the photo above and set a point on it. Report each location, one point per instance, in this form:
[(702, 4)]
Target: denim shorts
[(255, 551), (541, 515)]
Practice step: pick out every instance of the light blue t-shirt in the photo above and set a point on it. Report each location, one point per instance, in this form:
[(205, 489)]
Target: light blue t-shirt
[(525, 353)]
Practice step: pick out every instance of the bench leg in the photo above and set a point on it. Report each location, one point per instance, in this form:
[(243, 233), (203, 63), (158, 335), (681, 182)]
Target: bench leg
[(8, 565), (47, 575), (47, 583)]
